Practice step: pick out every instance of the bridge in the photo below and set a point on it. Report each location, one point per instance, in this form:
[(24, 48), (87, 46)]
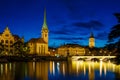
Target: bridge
[(91, 57)]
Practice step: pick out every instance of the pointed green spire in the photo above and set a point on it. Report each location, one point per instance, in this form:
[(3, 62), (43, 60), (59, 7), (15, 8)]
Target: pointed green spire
[(45, 22)]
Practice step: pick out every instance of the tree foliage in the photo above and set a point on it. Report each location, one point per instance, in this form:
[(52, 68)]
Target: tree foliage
[(20, 48), (115, 34)]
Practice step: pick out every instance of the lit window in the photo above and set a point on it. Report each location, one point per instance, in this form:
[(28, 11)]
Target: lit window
[(2, 41), (11, 42), (6, 41), (6, 49), (6, 45)]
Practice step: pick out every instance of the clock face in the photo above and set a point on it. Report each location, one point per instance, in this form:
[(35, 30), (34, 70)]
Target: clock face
[(45, 30), (91, 39)]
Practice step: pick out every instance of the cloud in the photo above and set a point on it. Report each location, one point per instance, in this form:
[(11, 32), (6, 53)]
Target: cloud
[(102, 36), (68, 38), (91, 24), (60, 32), (70, 30)]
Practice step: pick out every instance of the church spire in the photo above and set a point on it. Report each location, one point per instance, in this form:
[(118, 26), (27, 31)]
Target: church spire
[(45, 22), (91, 35)]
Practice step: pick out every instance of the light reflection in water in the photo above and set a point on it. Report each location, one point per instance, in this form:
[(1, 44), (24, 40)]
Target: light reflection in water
[(58, 67), (100, 68), (84, 70), (63, 69), (6, 68), (26, 70), (56, 70), (10, 66), (105, 71), (53, 68), (34, 66), (1, 69)]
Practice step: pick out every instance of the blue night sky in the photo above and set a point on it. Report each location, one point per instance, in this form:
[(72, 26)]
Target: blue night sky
[(69, 21)]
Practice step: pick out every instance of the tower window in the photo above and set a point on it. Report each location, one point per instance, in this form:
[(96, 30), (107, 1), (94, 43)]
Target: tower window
[(45, 35)]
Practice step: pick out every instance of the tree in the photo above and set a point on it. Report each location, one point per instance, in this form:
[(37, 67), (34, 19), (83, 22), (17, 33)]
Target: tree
[(114, 34), (20, 48)]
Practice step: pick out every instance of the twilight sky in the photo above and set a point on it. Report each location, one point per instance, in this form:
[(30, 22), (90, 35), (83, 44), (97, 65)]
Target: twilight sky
[(69, 21)]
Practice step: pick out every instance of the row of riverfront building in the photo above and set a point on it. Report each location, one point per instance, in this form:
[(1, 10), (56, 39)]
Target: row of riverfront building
[(39, 45)]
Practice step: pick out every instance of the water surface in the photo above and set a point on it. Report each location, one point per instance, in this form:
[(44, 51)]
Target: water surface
[(59, 70)]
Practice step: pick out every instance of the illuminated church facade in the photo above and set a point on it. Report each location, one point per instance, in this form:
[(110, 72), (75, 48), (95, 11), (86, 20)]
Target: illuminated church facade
[(39, 45)]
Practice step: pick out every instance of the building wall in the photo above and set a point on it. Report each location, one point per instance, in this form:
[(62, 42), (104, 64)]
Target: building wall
[(38, 48), (7, 39), (32, 48), (72, 51)]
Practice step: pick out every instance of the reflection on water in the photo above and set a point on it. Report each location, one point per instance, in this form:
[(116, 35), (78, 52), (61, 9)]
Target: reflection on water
[(53, 70)]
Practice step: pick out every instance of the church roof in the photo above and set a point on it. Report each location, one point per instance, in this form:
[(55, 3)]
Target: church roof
[(71, 45), (37, 40), (16, 37)]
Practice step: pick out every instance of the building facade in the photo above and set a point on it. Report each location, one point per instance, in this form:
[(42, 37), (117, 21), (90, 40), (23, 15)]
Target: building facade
[(71, 50), (39, 46), (91, 41), (7, 40)]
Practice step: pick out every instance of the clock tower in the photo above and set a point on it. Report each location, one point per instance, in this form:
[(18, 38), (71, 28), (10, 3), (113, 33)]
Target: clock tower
[(45, 30), (91, 41)]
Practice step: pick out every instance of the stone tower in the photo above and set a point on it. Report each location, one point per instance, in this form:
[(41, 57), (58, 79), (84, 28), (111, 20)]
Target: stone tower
[(91, 41), (45, 29)]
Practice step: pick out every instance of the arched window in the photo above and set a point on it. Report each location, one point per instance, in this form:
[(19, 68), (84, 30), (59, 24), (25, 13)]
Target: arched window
[(41, 49), (2, 41), (6, 41), (11, 42), (45, 35)]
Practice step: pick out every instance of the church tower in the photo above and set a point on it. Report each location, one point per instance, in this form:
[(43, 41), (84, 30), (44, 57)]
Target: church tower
[(45, 29), (91, 41)]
